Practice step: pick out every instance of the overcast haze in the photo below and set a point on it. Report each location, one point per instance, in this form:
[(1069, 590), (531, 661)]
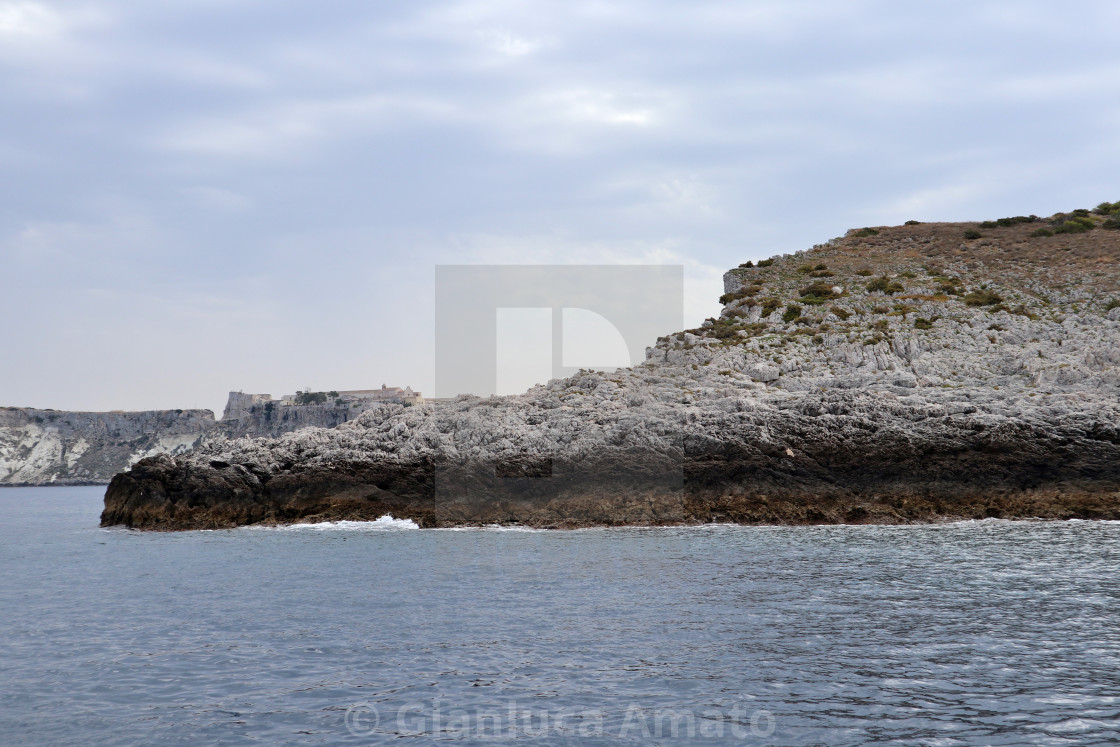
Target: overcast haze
[(203, 196)]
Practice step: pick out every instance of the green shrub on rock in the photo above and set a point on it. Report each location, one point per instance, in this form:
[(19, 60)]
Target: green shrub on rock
[(885, 285), (818, 293), (983, 298), (722, 329), (1008, 222), (744, 292), (1076, 222)]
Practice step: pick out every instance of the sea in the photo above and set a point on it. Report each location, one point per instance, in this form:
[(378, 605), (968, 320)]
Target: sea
[(975, 633)]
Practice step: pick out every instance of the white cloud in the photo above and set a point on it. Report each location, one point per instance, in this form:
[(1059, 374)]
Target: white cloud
[(29, 21), (287, 129), (314, 153), (597, 107), (31, 24), (509, 44), (574, 120)]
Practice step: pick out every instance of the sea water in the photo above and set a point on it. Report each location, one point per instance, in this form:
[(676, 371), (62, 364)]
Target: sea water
[(973, 633)]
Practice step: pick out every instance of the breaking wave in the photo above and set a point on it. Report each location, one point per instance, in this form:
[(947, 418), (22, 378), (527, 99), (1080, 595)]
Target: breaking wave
[(383, 523)]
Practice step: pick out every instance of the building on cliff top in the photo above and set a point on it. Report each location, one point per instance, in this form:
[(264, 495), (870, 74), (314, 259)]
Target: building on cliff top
[(384, 394), (240, 404)]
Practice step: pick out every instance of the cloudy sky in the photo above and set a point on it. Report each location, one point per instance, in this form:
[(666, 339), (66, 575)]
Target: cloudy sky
[(205, 195)]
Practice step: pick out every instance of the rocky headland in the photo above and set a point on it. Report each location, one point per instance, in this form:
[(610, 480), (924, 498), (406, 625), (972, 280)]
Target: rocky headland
[(913, 373), (52, 447)]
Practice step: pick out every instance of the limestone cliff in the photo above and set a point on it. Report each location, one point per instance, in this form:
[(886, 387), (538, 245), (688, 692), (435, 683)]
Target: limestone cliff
[(897, 374), (40, 447), (44, 447)]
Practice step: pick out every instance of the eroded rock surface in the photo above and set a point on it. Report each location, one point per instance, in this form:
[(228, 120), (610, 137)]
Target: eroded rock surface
[(45, 447)]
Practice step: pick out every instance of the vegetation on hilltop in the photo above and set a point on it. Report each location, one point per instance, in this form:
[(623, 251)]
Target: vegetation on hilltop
[(1013, 267), (314, 398)]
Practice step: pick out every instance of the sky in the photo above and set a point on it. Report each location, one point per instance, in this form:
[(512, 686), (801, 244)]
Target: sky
[(201, 196)]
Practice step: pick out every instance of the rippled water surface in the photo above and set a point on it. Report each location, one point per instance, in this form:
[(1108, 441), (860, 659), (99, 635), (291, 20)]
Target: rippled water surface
[(977, 633)]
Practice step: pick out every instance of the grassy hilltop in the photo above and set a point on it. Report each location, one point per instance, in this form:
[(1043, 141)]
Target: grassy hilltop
[(884, 278)]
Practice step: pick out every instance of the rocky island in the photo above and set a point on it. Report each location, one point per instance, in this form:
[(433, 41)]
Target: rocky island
[(913, 373)]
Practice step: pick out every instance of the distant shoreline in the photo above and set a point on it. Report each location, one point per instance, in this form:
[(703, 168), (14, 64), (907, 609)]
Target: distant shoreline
[(56, 484)]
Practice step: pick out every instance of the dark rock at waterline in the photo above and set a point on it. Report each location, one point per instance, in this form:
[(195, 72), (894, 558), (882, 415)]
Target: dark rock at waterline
[(804, 471)]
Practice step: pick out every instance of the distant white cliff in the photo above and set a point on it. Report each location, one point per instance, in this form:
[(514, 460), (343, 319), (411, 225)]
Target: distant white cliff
[(43, 447), (52, 447)]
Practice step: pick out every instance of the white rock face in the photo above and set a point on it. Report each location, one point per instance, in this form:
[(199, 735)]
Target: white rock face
[(40, 447)]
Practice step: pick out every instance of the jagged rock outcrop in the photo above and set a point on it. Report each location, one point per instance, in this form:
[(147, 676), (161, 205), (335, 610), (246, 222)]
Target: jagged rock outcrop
[(42, 447), (897, 374)]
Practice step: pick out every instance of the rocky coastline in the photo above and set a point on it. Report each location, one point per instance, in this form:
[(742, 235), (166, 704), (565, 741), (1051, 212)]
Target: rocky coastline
[(904, 374), (51, 447)]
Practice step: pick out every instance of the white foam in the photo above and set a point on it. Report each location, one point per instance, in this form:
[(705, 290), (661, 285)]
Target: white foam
[(383, 523), (387, 522), (491, 528)]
